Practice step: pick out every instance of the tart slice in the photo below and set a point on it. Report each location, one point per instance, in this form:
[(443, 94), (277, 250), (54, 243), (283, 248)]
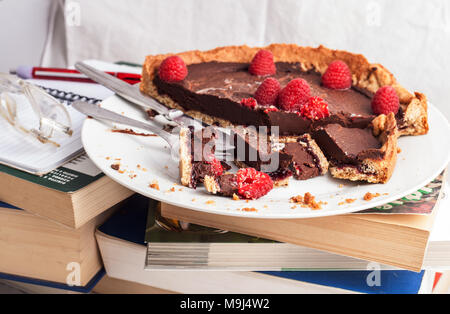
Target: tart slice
[(361, 154), (247, 183), (281, 158), (197, 159)]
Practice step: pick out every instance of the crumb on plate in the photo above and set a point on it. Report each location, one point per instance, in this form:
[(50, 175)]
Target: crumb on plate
[(369, 196), (247, 209), (307, 201), (154, 185)]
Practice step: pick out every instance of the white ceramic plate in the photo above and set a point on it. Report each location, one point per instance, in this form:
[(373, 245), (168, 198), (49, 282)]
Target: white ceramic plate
[(145, 159)]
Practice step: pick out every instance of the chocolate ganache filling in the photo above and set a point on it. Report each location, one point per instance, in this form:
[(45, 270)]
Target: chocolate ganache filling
[(217, 88), (344, 146)]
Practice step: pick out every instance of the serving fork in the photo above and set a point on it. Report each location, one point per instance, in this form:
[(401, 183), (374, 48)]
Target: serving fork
[(222, 149), (132, 93)]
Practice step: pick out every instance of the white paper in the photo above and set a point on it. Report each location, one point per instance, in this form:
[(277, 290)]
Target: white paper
[(27, 153)]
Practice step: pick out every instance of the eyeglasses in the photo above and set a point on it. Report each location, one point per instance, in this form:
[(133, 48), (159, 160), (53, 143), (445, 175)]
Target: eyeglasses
[(32, 111)]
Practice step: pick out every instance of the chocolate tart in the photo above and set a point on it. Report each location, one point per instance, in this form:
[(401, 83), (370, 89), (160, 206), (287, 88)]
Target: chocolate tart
[(360, 154), (281, 158), (196, 151), (225, 185), (218, 79)]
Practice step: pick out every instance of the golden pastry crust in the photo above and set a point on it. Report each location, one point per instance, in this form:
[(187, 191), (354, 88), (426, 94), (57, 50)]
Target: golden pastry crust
[(376, 170), (367, 77), (211, 185), (185, 163)]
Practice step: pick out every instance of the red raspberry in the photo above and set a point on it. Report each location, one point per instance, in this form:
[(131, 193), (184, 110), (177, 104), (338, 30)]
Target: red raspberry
[(267, 92), (385, 101), (216, 167), (337, 76), (249, 102), (294, 95), (173, 69), (315, 109), (271, 109), (253, 184), (262, 64)]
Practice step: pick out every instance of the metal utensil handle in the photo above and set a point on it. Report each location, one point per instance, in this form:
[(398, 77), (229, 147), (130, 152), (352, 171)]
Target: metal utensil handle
[(97, 112), (123, 89)]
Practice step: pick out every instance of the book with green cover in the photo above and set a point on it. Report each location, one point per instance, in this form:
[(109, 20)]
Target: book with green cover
[(72, 194), (420, 202), (160, 229), (68, 178)]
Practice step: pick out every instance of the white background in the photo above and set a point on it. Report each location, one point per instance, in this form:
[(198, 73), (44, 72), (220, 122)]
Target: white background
[(410, 37)]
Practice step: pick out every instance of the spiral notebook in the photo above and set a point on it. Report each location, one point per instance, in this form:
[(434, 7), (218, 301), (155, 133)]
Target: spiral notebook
[(28, 154)]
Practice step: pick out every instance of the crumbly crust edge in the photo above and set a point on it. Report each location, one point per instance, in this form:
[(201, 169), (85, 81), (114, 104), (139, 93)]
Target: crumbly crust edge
[(385, 128), (366, 77), (185, 163)]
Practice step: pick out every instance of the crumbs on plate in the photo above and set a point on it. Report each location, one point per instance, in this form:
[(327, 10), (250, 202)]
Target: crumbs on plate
[(307, 201), (141, 168), (369, 196), (154, 185), (247, 209)]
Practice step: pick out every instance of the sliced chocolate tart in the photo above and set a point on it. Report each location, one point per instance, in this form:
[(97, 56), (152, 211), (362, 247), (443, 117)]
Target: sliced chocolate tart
[(247, 183), (279, 157), (196, 155), (366, 154), (217, 81)]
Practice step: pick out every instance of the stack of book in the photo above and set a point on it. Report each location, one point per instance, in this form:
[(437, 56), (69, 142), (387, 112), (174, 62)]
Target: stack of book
[(47, 224), (67, 229), (396, 234), (403, 243)]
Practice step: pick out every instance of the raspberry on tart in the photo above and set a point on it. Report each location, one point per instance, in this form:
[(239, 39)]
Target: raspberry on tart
[(315, 109), (296, 93), (262, 64), (267, 92), (249, 103), (385, 101), (337, 76), (173, 69)]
